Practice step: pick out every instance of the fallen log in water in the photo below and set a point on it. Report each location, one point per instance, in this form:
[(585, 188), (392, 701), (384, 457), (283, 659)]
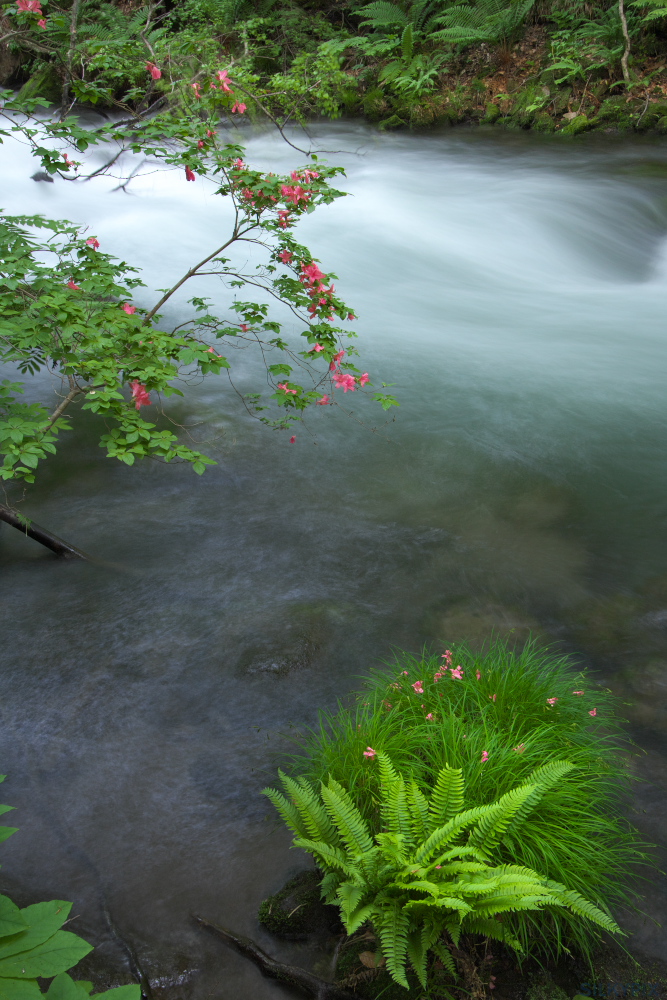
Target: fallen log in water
[(289, 975), (39, 534)]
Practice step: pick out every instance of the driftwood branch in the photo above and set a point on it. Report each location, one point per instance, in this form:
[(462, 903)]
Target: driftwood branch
[(289, 975), (39, 534), (626, 36)]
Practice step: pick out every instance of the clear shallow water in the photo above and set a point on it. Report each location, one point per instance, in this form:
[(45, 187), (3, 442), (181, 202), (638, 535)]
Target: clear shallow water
[(515, 289)]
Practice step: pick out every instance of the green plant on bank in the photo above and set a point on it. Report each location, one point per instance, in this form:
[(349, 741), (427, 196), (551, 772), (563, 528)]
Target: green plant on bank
[(430, 876), (582, 47), (33, 945), (524, 710), (491, 21)]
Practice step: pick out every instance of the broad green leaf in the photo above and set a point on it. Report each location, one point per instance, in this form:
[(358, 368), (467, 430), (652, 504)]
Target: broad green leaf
[(11, 920), (19, 989), (131, 992), (59, 953), (63, 987), (42, 920)]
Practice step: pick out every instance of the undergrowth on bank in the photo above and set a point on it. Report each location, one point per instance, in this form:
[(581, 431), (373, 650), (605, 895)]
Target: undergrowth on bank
[(498, 717)]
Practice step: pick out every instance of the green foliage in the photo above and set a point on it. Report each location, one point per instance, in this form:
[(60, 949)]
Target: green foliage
[(577, 837), (430, 875), (583, 46), (492, 21), (34, 946)]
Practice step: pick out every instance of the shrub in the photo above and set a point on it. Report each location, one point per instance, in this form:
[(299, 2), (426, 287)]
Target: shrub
[(498, 717)]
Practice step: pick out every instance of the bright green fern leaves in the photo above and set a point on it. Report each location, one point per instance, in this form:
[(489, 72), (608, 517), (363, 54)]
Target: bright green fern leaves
[(429, 876)]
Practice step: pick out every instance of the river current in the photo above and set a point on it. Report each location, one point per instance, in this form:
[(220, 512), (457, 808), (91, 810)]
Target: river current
[(514, 288)]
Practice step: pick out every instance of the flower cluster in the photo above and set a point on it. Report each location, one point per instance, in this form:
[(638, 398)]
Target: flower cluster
[(223, 84), (140, 394), (32, 7)]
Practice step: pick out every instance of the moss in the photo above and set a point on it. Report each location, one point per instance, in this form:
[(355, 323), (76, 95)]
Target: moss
[(375, 104), (45, 83), (545, 989), (392, 122), (491, 115), (576, 125), (543, 122), (296, 910)]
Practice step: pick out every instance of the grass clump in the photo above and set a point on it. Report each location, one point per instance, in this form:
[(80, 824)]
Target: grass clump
[(498, 716)]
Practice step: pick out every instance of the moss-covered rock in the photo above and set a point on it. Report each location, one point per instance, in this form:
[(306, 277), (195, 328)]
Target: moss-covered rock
[(491, 115), (581, 123), (45, 82), (296, 911)]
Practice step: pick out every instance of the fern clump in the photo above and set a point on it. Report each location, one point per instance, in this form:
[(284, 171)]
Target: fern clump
[(499, 717), (432, 873)]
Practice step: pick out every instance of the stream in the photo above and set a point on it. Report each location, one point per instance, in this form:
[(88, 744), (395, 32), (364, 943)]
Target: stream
[(514, 288)]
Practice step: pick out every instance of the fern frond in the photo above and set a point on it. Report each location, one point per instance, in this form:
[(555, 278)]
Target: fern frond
[(418, 807), (288, 811), (475, 924), (446, 833), (359, 917), (347, 818), (543, 778), (582, 907), (349, 896), (314, 817), (383, 14), (392, 925), (445, 957), (492, 826), (446, 797), (330, 857), (328, 886)]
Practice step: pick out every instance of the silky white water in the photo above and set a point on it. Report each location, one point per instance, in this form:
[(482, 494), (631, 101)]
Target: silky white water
[(514, 288)]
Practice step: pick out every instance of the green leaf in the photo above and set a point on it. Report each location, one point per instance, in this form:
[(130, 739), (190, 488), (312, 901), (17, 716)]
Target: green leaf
[(130, 992), (59, 953), (11, 919), (42, 920), (19, 989), (63, 987)]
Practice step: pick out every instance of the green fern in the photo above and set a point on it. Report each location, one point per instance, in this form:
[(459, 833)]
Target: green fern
[(484, 21), (417, 882)]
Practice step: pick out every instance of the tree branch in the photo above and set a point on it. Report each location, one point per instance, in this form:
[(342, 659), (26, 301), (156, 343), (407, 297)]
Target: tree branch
[(190, 274), (39, 534), (59, 410), (626, 36), (73, 25)]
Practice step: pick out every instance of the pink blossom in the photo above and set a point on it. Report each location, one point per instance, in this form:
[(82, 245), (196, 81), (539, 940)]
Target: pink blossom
[(323, 401), (430, 716), (209, 133), (344, 381), (312, 273), (292, 439), (223, 77), (239, 108), (189, 174), (304, 175), (140, 394), (92, 242), (457, 673), (369, 753), (286, 388), (485, 756), (283, 219), (593, 711), (238, 164), (363, 379), (201, 144), (478, 674), (335, 361), (33, 6), (75, 288), (447, 656), (68, 163), (404, 673), (196, 88), (316, 349), (244, 327), (493, 697), (153, 70), (438, 676), (41, 23), (130, 310), (577, 692), (286, 256), (418, 687), (351, 316), (552, 701), (294, 194), (521, 747)]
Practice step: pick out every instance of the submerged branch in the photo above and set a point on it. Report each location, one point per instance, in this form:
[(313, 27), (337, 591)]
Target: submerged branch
[(41, 535), (289, 975)]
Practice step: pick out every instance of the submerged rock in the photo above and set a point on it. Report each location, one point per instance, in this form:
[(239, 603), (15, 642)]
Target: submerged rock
[(296, 911)]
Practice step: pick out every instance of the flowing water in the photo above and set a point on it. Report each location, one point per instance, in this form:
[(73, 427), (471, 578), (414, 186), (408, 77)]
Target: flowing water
[(515, 290)]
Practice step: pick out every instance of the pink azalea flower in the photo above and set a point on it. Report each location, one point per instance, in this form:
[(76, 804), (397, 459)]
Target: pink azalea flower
[(336, 360), (351, 316), (286, 256), (323, 401), (493, 697), (75, 288), (209, 133), (593, 711), (344, 381), (478, 674), (189, 174), (316, 349), (244, 327), (552, 701), (41, 23), (283, 219), (239, 108), (33, 6), (153, 70), (130, 310), (521, 747), (292, 439), (68, 163), (284, 386), (238, 164), (92, 242), (577, 692), (201, 144), (369, 753), (140, 394), (419, 687), (457, 673), (196, 88), (363, 379), (223, 77), (485, 756)]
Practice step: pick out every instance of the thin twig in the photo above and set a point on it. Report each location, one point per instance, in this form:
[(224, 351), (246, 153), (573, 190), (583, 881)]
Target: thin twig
[(626, 36)]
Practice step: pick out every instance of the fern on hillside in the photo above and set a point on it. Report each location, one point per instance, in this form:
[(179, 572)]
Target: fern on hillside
[(483, 21), (422, 881)]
